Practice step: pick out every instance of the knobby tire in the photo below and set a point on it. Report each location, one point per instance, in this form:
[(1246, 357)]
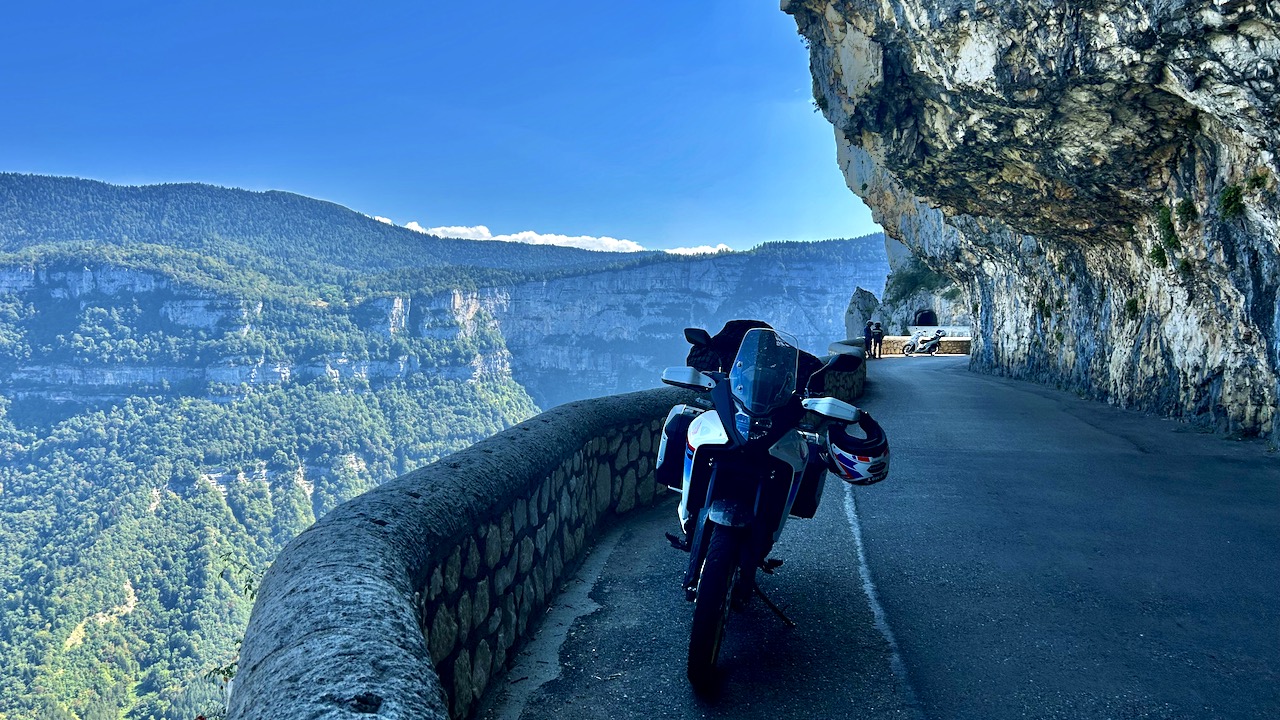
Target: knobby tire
[(711, 608)]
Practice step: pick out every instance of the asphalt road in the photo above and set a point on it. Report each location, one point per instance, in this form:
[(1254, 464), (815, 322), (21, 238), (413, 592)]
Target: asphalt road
[(1032, 555)]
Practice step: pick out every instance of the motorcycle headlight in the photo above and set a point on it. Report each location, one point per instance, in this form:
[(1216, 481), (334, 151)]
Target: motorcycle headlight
[(752, 428)]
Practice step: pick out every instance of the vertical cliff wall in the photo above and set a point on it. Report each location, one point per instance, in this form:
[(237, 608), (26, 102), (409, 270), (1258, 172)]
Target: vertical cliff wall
[(1099, 178), (613, 331)]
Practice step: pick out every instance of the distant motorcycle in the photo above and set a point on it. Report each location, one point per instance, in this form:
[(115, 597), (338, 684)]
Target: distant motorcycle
[(919, 344), (746, 467)]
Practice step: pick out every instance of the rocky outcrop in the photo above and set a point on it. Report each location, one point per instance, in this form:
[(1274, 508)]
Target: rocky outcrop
[(862, 308), (1099, 178)]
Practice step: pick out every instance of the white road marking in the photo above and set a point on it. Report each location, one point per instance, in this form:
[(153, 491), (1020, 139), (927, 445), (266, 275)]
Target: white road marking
[(877, 610)]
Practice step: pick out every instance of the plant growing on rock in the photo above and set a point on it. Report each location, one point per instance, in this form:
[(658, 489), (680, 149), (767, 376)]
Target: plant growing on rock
[(1131, 308), (1168, 233), (913, 276), (1257, 181), (1184, 266), (1158, 256), (1231, 202), (1187, 212)]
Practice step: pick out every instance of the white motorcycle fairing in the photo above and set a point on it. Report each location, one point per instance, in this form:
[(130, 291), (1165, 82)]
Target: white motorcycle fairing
[(706, 431)]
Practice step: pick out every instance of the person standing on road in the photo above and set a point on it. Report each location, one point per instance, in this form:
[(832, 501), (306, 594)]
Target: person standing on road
[(868, 337), (877, 337)]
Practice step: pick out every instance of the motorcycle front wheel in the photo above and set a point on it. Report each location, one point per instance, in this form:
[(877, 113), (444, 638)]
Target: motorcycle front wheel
[(711, 608), (906, 349)]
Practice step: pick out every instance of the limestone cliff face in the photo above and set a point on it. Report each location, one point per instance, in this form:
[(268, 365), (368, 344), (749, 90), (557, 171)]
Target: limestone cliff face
[(614, 331), (62, 367), (586, 335), (1099, 178)]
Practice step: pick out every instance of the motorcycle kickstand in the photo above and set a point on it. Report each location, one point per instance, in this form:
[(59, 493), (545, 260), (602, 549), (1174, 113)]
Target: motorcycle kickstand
[(777, 610)]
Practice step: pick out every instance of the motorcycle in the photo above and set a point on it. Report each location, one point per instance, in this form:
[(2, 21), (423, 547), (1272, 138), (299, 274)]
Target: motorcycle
[(919, 344), (747, 466)]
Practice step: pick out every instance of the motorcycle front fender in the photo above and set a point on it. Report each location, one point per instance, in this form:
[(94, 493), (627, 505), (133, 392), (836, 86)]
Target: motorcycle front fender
[(731, 513)]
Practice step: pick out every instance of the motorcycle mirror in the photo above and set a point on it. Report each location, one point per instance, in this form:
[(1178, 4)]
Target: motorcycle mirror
[(697, 336), (827, 363), (687, 378), (832, 408)]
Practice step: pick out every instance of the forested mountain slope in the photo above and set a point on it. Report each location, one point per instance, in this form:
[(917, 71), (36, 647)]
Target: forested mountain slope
[(290, 232)]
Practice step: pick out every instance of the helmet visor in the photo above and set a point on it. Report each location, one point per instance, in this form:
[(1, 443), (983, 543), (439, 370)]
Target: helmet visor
[(763, 376)]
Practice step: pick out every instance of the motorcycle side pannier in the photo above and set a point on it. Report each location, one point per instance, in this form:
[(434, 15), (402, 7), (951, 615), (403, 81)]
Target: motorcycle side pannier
[(812, 481), (671, 448)]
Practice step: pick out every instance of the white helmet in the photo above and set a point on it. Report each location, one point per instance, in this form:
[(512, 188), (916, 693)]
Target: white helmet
[(860, 461)]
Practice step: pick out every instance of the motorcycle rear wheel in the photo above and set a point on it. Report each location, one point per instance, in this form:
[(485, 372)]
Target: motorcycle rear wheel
[(711, 608), (906, 349)]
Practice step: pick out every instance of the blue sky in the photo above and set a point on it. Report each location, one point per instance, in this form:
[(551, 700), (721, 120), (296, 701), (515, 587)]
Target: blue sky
[(660, 122)]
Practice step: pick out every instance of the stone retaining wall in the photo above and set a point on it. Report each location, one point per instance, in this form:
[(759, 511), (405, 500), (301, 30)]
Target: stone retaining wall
[(950, 346), (405, 601)]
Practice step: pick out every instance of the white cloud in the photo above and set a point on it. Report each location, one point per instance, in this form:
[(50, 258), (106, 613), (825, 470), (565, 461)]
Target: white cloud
[(531, 237), (700, 250), (482, 232)]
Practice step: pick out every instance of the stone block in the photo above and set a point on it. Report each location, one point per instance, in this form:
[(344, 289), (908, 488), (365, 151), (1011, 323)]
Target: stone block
[(480, 603), (615, 443), (465, 619), (627, 495), (471, 560), (492, 546), (544, 495), (540, 540), (509, 619), (526, 555), (604, 488), (646, 441), (646, 489), (534, 517), (481, 668), (633, 450), (508, 532), (463, 690), (503, 576), (584, 501), (435, 585), (555, 559), (444, 634), (519, 516), (645, 467), (525, 608), (453, 571), (539, 587)]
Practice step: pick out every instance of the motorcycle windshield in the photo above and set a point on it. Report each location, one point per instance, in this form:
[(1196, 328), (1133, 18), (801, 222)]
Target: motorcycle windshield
[(763, 376)]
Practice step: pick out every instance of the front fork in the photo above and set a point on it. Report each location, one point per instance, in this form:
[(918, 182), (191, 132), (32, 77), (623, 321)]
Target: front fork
[(732, 514)]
